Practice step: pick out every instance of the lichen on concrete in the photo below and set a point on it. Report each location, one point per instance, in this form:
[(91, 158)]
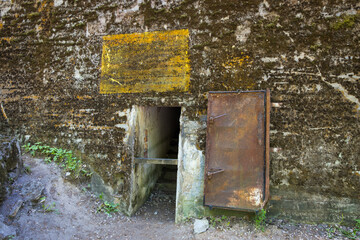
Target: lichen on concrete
[(305, 52)]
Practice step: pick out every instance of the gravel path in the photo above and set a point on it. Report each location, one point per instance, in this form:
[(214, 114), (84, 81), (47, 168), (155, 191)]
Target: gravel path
[(70, 212)]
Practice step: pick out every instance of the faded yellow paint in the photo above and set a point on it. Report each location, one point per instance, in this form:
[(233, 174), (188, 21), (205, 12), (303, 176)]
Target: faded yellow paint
[(143, 62), (52, 115), (38, 28), (83, 97), (34, 97), (8, 39), (237, 62), (42, 5)]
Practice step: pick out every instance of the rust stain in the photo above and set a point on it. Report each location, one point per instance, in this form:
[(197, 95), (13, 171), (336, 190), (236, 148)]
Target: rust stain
[(276, 198), (143, 62)]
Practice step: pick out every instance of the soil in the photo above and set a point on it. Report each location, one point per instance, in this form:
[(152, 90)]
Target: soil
[(71, 212)]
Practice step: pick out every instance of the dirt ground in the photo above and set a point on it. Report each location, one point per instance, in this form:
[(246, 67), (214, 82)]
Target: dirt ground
[(72, 214)]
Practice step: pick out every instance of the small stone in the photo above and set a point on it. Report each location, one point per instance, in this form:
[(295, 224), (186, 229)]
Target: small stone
[(16, 208), (32, 191), (200, 226)]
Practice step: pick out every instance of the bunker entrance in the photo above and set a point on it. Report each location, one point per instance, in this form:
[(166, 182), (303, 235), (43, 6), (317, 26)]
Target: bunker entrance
[(156, 158)]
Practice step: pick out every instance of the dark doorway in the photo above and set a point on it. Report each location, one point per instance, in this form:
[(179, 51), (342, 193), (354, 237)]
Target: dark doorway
[(157, 153)]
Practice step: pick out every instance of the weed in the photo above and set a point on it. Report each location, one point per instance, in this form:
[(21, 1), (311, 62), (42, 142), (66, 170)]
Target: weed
[(215, 221), (27, 170), (338, 229), (260, 218), (107, 207), (64, 158), (357, 226), (47, 207), (11, 180), (42, 199)]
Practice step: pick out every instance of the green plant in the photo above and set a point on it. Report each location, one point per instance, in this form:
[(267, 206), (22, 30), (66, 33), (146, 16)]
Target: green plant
[(10, 180), (27, 169), (357, 226), (107, 207), (260, 218), (63, 157), (11, 237), (338, 229), (215, 221), (47, 207)]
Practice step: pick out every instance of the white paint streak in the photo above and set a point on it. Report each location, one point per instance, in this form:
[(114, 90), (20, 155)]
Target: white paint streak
[(77, 75), (58, 3), (123, 126), (131, 121), (344, 92), (269, 59), (242, 32), (4, 11), (123, 113), (348, 77), (262, 8), (298, 57), (288, 34), (256, 196)]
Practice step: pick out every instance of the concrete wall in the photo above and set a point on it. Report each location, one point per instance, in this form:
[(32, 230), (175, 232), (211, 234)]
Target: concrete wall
[(190, 182), (306, 52)]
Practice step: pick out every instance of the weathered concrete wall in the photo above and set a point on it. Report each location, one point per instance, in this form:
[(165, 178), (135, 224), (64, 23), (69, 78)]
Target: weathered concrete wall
[(190, 183), (306, 52)]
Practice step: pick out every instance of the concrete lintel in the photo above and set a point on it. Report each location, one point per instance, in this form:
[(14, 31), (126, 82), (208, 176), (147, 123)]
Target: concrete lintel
[(166, 161)]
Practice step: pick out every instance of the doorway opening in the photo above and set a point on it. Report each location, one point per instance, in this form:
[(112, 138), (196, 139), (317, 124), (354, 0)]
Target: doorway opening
[(156, 160)]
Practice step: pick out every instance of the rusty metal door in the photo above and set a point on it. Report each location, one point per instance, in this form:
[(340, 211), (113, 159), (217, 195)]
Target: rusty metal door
[(237, 150)]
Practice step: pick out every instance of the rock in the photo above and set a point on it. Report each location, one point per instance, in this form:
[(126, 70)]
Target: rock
[(10, 158), (32, 191), (14, 160), (16, 208), (200, 226), (6, 232)]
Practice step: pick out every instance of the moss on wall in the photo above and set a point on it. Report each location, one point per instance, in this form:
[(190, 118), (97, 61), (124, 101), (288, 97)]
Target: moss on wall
[(306, 52)]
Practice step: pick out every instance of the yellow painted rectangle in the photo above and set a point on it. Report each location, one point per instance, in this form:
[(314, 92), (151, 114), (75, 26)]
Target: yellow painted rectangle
[(143, 62)]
